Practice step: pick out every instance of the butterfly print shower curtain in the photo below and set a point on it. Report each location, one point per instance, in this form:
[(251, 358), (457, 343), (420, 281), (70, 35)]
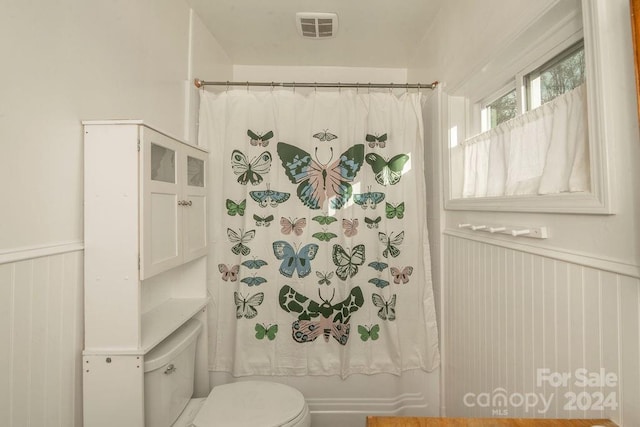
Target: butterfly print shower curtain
[(320, 260)]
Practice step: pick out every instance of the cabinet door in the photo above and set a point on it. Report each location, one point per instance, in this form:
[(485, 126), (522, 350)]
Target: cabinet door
[(161, 210), (195, 208)]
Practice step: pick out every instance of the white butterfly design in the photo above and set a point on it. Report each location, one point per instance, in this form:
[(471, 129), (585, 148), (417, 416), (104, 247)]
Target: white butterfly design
[(246, 307), (387, 308), (240, 238)]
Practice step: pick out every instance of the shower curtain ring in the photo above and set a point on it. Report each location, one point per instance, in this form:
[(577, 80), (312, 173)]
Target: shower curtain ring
[(272, 84), (315, 87), (369, 89), (407, 88), (227, 85), (247, 86)]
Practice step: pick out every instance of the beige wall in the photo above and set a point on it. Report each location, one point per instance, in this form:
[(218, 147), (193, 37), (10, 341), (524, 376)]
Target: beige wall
[(571, 301), (63, 62), (74, 60)]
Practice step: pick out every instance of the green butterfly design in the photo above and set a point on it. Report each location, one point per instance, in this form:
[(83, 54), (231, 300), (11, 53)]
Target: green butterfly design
[(371, 332), (260, 140), (320, 319), (387, 172), (263, 221), (325, 135), (321, 182), (325, 278), (396, 211), (263, 330), (374, 140), (372, 222), (324, 219), (324, 236), (250, 171), (234, 208), (347, 264)]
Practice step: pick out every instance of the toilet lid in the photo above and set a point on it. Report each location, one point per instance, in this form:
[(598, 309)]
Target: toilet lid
[(250, 404)]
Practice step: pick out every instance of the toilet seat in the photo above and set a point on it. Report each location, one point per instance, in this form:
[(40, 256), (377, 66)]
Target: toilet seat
[(252, 403)]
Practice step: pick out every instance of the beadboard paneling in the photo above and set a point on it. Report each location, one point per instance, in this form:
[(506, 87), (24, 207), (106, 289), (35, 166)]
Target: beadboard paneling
[(41, 331), (509, 313)]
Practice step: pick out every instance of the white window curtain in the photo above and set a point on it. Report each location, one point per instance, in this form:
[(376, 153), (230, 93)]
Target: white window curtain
[(544, 151)]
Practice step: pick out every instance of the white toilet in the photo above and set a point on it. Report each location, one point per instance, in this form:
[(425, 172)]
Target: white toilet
[(168, 387)]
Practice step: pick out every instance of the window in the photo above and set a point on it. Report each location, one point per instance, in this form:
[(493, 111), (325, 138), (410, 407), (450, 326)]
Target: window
[(500, 110), (559, 75), (548, 48)]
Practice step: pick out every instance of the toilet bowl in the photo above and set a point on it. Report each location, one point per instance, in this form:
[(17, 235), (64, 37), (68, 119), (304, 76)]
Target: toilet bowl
[(169, 373), (253, 403)]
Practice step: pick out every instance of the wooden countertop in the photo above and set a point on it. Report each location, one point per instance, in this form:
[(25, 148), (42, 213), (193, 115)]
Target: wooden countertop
[(481, 422)]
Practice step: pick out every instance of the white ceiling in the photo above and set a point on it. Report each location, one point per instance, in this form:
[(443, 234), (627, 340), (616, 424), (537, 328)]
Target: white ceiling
[(372, 33)]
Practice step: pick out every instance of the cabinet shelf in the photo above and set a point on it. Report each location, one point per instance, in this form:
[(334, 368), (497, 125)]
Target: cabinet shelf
[(160, 322)]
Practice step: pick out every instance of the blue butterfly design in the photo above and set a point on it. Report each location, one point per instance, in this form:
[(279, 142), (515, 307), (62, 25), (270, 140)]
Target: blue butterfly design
[(378, 266), (254, 281), (294, 261), (269, 197), (381, 283), (318, 182), (254, 263), (370, 199)]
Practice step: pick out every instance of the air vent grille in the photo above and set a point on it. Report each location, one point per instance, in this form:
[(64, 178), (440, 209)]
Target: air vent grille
[(317, 25)]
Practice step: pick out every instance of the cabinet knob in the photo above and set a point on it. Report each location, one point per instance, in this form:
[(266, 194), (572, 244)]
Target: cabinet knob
[(180, 202), (189, 203), (170, 369)]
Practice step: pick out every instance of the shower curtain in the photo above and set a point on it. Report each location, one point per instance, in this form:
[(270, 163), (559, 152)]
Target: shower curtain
[(320, 260)]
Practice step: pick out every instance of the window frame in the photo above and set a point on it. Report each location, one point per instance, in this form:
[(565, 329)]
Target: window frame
[(600, 76)]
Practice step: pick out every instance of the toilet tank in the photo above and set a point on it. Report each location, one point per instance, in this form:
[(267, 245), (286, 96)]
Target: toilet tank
[(168, 375)]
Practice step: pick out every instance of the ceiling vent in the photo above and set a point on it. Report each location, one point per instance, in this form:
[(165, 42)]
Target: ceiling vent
[(314, 25)]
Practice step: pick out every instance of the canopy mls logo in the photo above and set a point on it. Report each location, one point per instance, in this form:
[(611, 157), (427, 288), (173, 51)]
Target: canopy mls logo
[(592, 397), (500, 401)]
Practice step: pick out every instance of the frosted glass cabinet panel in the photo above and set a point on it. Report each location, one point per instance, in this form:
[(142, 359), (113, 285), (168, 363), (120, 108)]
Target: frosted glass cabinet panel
[(174, 203), (195, 172), (161, 207), (195, 211), (163, 164)]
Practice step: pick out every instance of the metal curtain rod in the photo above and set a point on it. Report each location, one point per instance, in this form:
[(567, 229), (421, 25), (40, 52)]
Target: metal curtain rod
[(199, 83)]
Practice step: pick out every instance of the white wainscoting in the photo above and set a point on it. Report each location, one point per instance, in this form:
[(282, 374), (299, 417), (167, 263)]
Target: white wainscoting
[(509, 312), (41, 338)]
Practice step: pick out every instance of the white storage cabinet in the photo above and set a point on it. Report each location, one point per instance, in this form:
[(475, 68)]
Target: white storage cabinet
[(145, 264)]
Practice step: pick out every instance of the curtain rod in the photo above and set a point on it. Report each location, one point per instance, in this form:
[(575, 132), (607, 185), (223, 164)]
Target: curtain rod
[(199, 83)]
